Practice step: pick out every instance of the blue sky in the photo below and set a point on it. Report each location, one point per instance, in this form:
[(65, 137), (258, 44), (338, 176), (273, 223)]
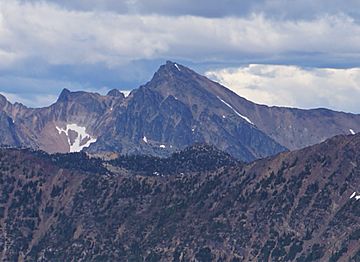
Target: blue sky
[(95, 45)]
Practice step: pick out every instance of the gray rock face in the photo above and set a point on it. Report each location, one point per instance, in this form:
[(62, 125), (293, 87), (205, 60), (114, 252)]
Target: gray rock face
[(115, 93), (176, 109), (7, 131)]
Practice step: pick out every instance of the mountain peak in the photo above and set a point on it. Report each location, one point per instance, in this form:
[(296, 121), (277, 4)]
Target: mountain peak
[(3, 101), (79, 96), (171, 71), (170, 68), (115, 93), (168, 62), (173, 66), (64, 95)]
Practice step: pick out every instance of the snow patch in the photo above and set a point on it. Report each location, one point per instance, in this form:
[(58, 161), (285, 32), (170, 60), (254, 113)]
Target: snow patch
[(356, 195), (81, 140), (162, 146), (223, 116), (352, 131), (126, 92), (60, 130), (177, 67), (236, 112), (145, 139)]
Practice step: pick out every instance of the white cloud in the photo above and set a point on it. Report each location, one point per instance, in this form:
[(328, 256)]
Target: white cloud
[(60, 36), (46, 34), (293, 86)]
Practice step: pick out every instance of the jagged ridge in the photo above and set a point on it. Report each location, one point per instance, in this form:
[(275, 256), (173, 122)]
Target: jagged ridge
[(177, 108)]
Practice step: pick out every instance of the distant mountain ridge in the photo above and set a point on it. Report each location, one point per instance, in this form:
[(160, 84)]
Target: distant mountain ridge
[(175, 109)]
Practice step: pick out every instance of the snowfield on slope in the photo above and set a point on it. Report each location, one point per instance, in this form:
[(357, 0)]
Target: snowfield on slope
[(82, 139), (236, 112)]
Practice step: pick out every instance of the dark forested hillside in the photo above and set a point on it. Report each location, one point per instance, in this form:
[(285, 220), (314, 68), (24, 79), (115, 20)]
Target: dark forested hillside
[(197, 158), (297, 206)]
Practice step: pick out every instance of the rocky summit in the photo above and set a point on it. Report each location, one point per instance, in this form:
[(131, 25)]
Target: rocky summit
[(177, 108)]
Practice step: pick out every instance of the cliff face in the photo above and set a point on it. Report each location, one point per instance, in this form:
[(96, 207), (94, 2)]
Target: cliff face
[(7, 130), (199, 204), (174, 111)]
